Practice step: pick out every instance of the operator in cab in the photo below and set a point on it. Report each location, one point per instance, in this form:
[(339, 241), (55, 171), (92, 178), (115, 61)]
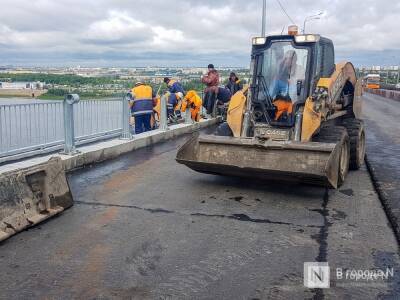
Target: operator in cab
[(288, 77), (143, 99)]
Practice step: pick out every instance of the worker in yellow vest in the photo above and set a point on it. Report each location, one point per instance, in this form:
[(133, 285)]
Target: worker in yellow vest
[(143, 101), (194, 102)]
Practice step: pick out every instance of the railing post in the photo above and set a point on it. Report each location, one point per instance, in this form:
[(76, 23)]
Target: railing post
[(188, 116), (164, 115), (69, 134), (126, 115)]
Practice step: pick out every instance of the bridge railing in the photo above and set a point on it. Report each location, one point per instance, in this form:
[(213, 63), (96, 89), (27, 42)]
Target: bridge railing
[(39, 128), (30, 128), (97, 119)]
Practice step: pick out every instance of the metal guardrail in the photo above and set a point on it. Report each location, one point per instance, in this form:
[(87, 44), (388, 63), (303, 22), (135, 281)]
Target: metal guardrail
[(39, 128), (30, 128), (390, 94)]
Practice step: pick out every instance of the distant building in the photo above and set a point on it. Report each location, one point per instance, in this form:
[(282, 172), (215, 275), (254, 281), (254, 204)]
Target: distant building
[(21, 85)]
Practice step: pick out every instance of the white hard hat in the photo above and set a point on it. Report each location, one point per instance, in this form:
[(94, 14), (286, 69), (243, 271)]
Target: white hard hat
[(179, 95)]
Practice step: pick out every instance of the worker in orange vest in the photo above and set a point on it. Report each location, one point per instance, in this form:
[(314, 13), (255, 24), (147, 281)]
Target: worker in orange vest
[(192, 100)]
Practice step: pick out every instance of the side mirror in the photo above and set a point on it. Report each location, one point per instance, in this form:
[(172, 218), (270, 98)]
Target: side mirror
[(299, 86)]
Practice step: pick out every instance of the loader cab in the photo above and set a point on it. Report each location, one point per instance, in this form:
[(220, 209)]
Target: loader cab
[(285, 71)]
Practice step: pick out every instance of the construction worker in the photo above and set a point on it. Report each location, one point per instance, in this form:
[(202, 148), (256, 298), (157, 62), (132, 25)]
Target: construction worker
[(192, 100), (211, 91), (143, 101), (234, 83), (176, 93), (284, 108), (289, 75)]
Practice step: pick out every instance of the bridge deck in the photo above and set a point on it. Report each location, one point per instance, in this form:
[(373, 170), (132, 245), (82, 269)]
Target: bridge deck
[(146, 227)]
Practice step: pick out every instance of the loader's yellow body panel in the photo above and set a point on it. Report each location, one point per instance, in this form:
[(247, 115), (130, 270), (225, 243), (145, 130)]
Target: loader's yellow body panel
[(311, 121), (237, 106)]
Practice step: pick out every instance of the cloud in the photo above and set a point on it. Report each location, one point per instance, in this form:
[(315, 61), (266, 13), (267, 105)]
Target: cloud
[(164, 37), (117, 28), (184, 31)]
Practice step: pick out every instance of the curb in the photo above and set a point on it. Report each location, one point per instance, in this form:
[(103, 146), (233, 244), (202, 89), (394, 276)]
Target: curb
[(113, 151)]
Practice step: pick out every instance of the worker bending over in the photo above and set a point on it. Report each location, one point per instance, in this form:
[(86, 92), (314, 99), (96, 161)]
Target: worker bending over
[(210, 93), (142, 103), (174, 95), (192, 100)]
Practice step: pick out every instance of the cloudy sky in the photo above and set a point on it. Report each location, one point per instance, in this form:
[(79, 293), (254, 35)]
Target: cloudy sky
[(185, 33)]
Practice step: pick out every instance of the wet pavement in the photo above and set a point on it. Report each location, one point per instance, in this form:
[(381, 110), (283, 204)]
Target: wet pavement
[(383, 151), (145, 227)]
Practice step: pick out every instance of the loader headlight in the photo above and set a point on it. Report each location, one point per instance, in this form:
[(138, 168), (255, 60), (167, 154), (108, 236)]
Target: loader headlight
[(307, 38), (259, 40)]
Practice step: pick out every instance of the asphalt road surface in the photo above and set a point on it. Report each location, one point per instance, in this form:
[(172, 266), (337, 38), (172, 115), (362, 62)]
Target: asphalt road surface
[(145, 227), (383, 150)]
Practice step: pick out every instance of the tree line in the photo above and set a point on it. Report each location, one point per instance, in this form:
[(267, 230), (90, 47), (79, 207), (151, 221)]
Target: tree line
[(67, 79)]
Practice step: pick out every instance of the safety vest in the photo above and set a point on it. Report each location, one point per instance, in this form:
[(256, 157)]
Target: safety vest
[(143, 100), (282, 106)]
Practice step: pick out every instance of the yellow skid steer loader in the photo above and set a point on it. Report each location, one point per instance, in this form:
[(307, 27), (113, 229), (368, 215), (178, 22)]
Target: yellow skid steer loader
[(298, 120)]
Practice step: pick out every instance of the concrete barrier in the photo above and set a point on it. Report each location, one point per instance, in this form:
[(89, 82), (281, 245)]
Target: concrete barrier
[(31, 195), (391, 94)]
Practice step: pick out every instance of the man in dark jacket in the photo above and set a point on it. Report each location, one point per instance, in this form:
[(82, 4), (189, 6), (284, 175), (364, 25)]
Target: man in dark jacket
[(234, 84), (210, 93)]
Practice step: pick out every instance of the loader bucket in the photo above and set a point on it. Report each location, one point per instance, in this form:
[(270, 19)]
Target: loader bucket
[(314, 163)]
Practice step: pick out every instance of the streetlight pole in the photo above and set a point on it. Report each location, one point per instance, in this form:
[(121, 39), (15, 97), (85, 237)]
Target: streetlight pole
[(309, 18), (264, 12)]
